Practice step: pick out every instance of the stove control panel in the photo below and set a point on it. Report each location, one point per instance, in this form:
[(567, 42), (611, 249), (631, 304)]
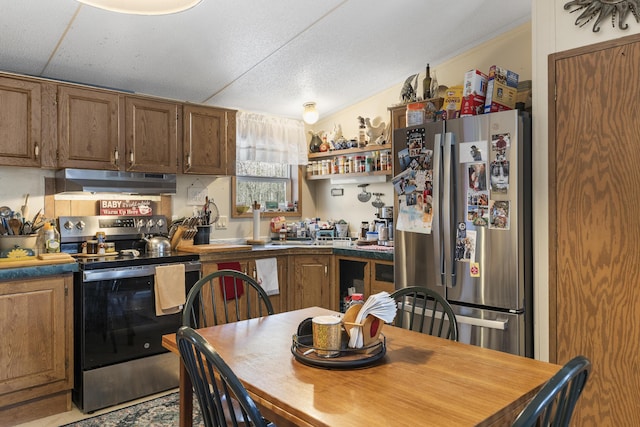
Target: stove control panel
[(82, 228)]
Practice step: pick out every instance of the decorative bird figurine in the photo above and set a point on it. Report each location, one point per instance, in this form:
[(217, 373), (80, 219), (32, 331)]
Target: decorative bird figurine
[(408, 93), (374, 132)]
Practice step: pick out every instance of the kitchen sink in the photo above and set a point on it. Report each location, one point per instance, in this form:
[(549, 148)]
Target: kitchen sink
[(305, 242)]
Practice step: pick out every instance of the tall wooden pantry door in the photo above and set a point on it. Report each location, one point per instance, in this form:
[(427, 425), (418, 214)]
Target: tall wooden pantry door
[(594, 195)]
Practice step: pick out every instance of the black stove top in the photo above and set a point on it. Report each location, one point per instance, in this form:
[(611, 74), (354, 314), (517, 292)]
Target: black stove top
[(102, 262), (125, 232)]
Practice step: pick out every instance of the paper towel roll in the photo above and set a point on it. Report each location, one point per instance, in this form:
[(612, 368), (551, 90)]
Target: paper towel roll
[(256, 224)]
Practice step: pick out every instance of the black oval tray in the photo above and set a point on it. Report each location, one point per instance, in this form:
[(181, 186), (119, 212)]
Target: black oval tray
[(349, 358)]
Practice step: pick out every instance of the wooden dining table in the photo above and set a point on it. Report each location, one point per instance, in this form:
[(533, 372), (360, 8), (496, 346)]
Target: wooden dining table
[(421, 380)]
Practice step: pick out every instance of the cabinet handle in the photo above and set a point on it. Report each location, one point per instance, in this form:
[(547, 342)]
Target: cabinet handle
[(131, 156), (116, 156), (189, 160), (255, 273), (326, 269), (36, 150)]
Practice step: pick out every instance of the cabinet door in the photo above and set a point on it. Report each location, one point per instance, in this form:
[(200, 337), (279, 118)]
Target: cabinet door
[(381, 278), (208, 141), (310, 283), (88, 129), (398, 117), (151, 135), (279, 300), (36, 335), (20, 122)]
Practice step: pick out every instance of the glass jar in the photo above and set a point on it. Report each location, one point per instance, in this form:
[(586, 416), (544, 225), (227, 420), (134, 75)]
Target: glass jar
[(369, 163), (383, 161), (325, 167)]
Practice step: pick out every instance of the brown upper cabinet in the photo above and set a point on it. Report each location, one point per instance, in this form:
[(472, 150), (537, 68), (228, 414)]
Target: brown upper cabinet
[(51, 124), (151, 135), (88, 129), (209, 140), (24, 125)]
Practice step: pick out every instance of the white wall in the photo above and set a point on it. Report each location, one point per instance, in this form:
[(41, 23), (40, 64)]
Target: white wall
[(16, 183), (553, 30)]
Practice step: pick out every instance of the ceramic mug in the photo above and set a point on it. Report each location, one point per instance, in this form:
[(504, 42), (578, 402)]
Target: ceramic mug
[(327, 334)]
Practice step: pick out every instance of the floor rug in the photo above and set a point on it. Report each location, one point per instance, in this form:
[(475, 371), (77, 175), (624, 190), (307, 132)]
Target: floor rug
[(160, 412)]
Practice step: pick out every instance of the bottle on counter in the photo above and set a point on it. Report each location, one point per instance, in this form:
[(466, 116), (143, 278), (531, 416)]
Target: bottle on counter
[(49, 239)]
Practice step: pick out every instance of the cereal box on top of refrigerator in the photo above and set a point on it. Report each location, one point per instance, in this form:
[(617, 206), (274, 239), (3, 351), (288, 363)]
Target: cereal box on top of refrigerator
[(502, 89), (474, 93)]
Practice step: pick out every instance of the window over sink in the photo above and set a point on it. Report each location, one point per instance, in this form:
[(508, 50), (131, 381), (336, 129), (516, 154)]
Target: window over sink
[(275, 186)]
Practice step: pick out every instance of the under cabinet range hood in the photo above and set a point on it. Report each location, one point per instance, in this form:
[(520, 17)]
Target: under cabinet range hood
[(98, 181)]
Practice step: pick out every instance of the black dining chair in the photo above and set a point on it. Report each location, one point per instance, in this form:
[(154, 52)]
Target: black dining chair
[(222, 398), (422, 310), (225, 296), (553, 405)]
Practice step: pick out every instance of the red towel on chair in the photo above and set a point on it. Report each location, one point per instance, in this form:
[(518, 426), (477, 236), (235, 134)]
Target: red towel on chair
[(231, 290)]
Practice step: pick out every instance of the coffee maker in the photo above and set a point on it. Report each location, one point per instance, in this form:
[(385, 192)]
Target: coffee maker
[(384, 225)]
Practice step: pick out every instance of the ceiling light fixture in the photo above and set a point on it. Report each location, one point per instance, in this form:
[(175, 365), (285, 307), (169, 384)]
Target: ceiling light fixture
[(143, 7), (310, 114)]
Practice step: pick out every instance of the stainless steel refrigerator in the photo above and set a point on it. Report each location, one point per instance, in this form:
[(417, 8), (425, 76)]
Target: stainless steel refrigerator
[(464, 225)]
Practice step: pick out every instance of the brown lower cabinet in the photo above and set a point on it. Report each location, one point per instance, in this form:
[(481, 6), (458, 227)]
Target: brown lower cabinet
[(310, 282), (314, 276), (304, 276), (36, 354), (248, 266)]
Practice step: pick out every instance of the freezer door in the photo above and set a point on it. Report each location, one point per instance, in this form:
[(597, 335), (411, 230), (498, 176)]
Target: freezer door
[(494, 272), (493, 329), (418, 257)]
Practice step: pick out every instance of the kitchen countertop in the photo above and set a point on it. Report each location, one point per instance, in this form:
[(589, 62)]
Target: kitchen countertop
[(37, 271), (372, 252), (384, 253), (369, 252)]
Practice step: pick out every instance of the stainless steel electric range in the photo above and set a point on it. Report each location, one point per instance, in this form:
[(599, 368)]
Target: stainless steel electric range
[(118, 350)]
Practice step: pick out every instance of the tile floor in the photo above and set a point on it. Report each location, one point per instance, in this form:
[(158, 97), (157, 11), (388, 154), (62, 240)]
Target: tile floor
[(76, 415)]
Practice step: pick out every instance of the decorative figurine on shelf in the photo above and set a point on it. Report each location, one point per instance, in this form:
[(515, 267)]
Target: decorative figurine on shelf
[(336, 139), (408, 93), (374, 132), (385, 136), (316, 142)]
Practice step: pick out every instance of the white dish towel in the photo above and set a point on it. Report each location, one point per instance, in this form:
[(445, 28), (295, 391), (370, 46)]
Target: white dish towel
[(267, 271)]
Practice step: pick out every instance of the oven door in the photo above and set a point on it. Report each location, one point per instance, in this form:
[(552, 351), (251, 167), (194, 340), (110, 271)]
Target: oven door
[(117, 319)]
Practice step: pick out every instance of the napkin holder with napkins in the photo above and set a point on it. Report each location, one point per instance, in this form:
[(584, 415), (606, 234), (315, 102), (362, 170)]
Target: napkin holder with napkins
[(363, 322)]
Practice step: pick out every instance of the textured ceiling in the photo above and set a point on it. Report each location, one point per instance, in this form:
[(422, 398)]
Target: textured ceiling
[(255, 55)]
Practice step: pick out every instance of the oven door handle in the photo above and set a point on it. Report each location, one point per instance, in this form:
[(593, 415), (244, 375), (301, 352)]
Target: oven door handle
[(129, 272)]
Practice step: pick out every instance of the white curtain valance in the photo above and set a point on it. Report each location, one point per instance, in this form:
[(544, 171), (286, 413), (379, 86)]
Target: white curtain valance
[(270, 139)]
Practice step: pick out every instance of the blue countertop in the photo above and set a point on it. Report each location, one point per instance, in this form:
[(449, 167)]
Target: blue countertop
[(369, 252), (37, 271), (365, 252)]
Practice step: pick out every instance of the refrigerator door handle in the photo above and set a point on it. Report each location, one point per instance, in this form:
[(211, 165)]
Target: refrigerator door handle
[(438, 249), (500, 324), (448, 209)]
